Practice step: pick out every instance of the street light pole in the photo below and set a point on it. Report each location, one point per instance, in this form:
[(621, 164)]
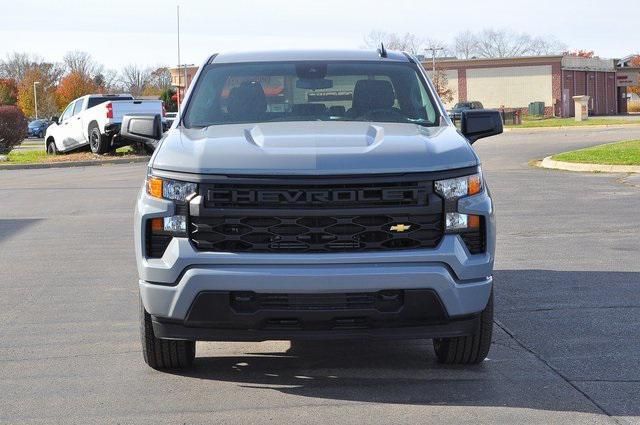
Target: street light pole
[(178, 91), (433, 56), (35, 96)]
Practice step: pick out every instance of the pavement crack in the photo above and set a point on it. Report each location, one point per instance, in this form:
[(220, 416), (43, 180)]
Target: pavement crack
[(612, 381), (586, 307), (556, 371)]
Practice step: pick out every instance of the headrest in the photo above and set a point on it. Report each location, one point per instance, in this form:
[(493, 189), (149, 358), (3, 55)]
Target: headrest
[(247, 101), (373, 94)]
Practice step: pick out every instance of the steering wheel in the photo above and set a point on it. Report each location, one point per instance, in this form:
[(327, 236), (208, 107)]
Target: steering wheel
[(386, 113)]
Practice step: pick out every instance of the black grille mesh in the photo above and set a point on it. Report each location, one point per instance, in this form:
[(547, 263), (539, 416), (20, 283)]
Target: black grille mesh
[(316, 233)]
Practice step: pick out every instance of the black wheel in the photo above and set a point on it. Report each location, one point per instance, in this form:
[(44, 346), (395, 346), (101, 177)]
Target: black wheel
[(41, 135), (99, 144), (164, 353), (471, 349), (148, 149), (51, 148)]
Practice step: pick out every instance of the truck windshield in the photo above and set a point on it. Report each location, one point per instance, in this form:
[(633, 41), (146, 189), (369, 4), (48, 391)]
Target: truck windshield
[(310, 91)]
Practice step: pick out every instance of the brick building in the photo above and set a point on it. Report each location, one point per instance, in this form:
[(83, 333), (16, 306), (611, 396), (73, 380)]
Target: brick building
[(513, 83), (178, 79)]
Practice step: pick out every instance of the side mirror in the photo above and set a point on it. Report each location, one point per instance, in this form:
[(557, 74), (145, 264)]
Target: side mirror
[(141, 128), (55, 119), (478, 123)]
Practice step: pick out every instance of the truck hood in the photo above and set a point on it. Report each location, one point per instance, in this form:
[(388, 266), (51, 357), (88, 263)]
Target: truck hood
[(313, 148)]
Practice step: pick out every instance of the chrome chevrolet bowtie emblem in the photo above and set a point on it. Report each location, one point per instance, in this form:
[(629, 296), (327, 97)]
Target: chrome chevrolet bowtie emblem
[(400, 228)]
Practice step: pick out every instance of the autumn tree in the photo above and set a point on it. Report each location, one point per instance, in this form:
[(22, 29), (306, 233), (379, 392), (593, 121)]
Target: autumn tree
[(45, 90), (8, 91), (441, 83), (635, 62), (73, 86)]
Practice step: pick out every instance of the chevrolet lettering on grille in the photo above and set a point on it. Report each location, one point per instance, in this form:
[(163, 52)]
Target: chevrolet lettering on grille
[(314, 196)]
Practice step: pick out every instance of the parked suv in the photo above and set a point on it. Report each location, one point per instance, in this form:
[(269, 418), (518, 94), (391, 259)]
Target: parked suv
[(314, 195)]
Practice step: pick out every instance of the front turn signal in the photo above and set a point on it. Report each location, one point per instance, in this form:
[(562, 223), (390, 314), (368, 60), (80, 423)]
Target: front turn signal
[(154, 187)]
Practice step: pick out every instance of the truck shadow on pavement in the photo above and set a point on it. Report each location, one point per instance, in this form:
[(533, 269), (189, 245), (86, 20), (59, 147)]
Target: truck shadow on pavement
[(546, 322), (13, 226)]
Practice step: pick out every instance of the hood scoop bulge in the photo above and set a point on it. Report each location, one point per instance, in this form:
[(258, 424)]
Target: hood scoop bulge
[(278, 139)]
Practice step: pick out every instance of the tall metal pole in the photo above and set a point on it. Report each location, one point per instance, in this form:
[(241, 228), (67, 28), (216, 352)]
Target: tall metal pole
[(178, 94), (35, 96), (433, 56)]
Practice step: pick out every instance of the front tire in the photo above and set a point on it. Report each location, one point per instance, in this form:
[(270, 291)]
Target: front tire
[(51, 148), (97, 141), (164, 353), (473, 349)]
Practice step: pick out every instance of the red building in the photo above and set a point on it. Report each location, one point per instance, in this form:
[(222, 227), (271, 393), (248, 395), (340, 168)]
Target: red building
[(514, 83)]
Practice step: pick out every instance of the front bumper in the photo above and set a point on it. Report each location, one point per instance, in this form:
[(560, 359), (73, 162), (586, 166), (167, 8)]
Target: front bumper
[(169, 286)]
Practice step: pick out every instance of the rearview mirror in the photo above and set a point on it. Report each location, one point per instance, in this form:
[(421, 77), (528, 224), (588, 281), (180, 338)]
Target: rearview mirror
[(141, 128), (478, 123), (54, 119)]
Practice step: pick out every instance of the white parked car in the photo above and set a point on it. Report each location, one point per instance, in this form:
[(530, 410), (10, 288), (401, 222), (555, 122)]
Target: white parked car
[(95, 120)]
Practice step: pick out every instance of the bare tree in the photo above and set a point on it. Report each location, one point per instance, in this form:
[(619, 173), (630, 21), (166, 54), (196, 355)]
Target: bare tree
[(16, 65), (374, 38), (465, 45), (406, 42), (161, 78), (547, 46), (82, 63), (135, 79), (494, 43)]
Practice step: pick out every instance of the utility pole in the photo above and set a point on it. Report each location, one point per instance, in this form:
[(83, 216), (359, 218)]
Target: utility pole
[(35, 96), (433, 55)]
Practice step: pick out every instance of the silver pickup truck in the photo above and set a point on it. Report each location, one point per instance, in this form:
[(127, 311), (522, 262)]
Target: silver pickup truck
[(314, 195)]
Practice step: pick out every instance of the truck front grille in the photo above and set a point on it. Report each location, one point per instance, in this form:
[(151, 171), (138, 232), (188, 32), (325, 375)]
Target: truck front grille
[(317, 214), (316, 233)]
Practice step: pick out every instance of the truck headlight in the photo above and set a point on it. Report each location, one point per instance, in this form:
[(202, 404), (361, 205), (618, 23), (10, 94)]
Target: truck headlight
[(170, 189), (452, 190), (458, 187)]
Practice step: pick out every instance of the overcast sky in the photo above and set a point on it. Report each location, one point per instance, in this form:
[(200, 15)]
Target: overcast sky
[(117, 32)]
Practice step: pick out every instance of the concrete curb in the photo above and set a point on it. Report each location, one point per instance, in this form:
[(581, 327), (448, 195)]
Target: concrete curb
[(73, 164), (589, 168), (575, 127)]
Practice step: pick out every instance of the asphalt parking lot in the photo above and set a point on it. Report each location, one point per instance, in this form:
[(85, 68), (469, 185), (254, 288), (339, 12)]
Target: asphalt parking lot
[(566, 345)]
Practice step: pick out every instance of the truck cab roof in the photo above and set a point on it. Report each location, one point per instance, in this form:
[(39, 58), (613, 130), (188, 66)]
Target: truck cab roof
[(307, 55)]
